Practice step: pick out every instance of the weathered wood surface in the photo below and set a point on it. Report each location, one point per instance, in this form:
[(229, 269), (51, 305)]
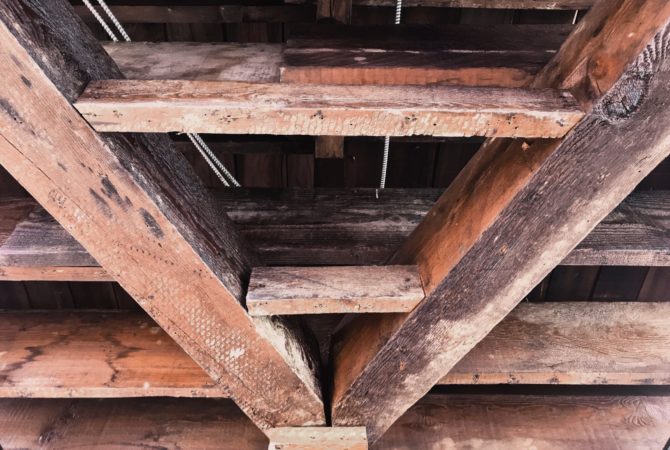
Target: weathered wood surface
[(572, 343), (221, 61), (335, 289), (332, 227), (337, 10), (60, 354), (511, 216), (128, 199), (317, 438), (512, 422), (93, 354), (205, 14), (292, 109), (505, 422), (504, 55), (498, 4), (132, 424), (326, 147)]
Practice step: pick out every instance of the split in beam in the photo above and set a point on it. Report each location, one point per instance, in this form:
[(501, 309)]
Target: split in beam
[(324, 227), (330, 290), (86, 354), (504, 422), (137, 206), (515, 212), (291, 109)]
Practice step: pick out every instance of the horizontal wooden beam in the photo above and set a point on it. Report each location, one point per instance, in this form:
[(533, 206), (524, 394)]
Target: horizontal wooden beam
[(221, 61), (465, 55), (505, 422), (317, 438), (503, 56), (287, 109), (86, 354), (497, 4), (339, 289), (330, 227)]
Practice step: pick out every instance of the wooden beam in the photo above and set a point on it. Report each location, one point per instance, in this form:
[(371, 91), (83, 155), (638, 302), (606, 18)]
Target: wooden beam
[(509, 422), (254, 108), (222, 61), (328, 290), (85, 354), (511, 216), (497, 4), (326, 147), (503, 56), (316, 438), (337, 10), (505, 422), (330, 226), (128, 200)]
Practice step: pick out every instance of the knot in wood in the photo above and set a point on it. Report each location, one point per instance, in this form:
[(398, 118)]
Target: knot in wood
[(625, 98)]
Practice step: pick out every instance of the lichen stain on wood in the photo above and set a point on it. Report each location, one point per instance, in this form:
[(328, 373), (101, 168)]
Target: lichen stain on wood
[(151, 224), (102, 204)]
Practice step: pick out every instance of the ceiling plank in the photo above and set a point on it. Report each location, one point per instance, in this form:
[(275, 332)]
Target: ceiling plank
[(130, 200), (85, 354), (511, 216), (504, 422), (331, 226)]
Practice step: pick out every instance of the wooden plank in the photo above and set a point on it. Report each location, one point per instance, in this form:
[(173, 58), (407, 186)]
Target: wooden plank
[(133, 424), (267, 13), (337, 10), (329, 290), (316, 438), (497, 4), (505, 422), (157, 14), (125, 199), (326, 147), (93, 354), (503, 56), (512, 215), (572, 343), (511, 422), (336, 227), (288, 109), (221, 61)]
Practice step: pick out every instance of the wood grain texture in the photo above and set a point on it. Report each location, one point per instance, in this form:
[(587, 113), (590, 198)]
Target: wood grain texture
[(506, 422), (221, 61), (329, 290), (496, 4), (133, 424), (337, 10), (96, 355), (333, 227), (572, 343), (329, 147), (316, 438), (92, 354), (503, 56), (290, 109), (512, 422), (124, 199), (511, 216)]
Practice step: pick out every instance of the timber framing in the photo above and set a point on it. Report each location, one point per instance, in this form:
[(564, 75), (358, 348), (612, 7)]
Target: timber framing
[(553, 193), (336, 318), (120, 197)]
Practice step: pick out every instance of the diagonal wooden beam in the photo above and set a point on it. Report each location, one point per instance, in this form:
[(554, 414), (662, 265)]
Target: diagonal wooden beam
[(135, 205), (515, 211)]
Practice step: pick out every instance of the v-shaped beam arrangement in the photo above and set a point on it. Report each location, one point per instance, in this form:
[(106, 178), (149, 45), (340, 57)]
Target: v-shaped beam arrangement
[(515, 212)]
